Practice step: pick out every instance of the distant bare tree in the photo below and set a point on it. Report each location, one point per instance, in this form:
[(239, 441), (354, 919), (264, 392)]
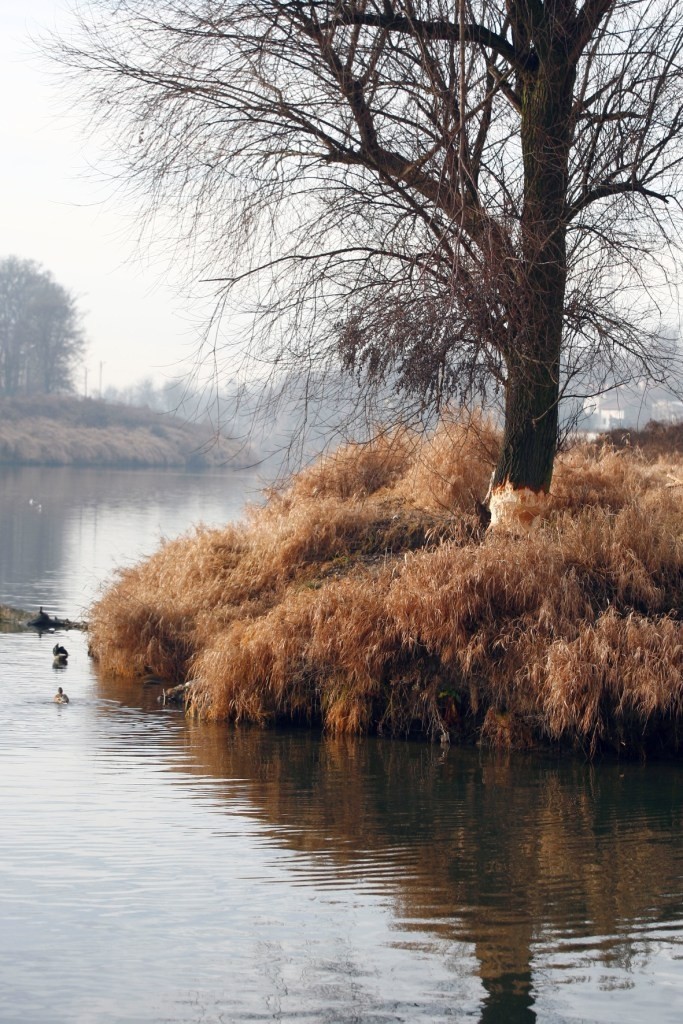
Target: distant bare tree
[(447, 198), (41, 340)]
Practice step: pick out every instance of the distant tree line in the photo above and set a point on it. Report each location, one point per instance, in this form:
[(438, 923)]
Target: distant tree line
[(41, 338)]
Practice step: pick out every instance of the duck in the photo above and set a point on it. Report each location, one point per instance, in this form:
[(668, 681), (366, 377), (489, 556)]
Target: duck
[(60, 654), (60, 697)]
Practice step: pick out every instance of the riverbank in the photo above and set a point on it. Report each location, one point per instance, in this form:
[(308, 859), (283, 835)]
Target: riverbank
[(65, 430), (12, 619), (367, 597)]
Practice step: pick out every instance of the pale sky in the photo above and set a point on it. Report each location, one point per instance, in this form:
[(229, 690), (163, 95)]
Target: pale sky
[(55, 210)]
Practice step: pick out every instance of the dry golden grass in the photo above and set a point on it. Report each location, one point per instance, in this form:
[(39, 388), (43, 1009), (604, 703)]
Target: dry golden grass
[(452, 467), (365, 596), (619, 672)]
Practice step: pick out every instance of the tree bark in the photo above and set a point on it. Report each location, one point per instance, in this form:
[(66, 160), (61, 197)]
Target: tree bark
[(523, 474), (530, 432)]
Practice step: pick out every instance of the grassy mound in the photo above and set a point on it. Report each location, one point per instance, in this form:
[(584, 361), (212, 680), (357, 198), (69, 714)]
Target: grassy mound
[(366, 596)]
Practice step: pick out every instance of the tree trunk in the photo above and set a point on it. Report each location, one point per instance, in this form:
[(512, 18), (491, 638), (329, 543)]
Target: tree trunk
[(522, 477)]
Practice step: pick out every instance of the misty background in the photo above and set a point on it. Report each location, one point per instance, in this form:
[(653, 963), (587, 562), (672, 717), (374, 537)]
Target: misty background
[(142, 321)]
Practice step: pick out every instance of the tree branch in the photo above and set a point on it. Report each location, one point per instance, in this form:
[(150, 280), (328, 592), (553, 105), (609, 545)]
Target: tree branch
[(587, 20), (616, 188), (438, 28)]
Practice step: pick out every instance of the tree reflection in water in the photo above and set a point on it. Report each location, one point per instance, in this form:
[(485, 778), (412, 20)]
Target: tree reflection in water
[(518, 859)]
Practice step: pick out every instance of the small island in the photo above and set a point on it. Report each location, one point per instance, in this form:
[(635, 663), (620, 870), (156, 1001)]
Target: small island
[(368, 596), (17, 619)]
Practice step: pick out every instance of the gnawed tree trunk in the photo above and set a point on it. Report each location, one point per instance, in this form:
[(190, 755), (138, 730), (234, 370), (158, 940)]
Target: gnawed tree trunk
[(522, 477)]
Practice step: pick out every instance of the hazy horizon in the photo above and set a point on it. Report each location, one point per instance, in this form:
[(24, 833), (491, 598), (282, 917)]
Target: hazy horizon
[(57, 209)]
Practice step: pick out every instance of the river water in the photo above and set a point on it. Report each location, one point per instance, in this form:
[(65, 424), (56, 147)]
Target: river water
[(158, 870)]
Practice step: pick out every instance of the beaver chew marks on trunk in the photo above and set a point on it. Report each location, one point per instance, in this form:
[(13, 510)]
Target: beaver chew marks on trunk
[(517, 509)]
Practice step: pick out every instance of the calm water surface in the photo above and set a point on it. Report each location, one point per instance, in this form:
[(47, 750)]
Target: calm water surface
[(157, 870)]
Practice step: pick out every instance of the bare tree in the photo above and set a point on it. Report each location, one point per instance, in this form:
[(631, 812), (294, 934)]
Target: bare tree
[(447, 198), (41, 339)]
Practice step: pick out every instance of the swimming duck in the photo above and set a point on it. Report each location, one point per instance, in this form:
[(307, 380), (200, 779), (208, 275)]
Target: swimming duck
[(60, 697), (60, 654)]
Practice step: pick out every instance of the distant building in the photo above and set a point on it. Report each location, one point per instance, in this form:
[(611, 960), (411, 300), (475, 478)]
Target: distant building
[(609, 417), (667, 411), (630, 407)]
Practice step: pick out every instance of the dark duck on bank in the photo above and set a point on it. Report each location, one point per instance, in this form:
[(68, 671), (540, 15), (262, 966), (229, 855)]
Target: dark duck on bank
[(42, 620)]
